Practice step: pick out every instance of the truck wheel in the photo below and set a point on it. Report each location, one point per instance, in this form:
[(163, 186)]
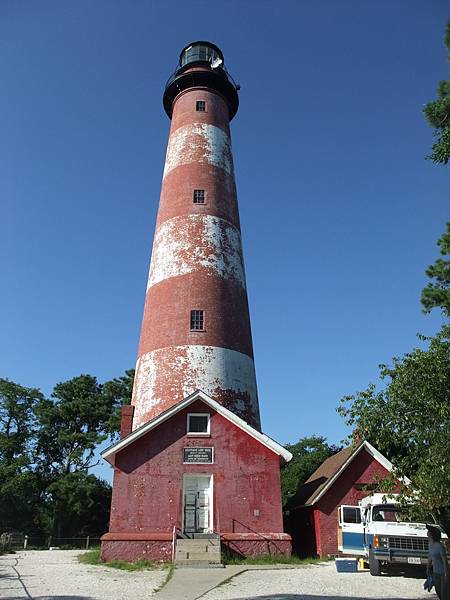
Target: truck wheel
[(374, 565)]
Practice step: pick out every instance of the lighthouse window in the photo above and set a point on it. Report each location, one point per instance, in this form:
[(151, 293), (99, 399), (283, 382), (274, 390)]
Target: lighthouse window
[(199, 196), (198, 423), (197, 320), (200, 106)]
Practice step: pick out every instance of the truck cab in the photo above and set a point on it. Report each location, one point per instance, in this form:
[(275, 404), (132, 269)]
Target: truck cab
[(379, 530)]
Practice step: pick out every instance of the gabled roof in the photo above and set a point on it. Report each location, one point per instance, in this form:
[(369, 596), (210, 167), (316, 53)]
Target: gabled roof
[(110, 453), (323, 478)]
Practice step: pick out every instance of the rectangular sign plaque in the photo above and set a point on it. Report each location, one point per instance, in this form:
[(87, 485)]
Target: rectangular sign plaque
[(198, 455)]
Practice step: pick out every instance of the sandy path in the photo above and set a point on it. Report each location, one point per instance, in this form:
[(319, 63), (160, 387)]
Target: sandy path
[(57, 575)]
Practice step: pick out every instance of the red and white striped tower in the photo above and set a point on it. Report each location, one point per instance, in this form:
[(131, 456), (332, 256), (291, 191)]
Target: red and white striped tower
[(196, 326)]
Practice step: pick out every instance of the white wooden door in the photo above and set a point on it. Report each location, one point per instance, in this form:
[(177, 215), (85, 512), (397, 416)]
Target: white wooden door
[(197, 504)]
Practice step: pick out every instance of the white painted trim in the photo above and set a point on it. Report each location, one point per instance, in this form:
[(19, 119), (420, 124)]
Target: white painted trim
[(110, 452), (382, 459), (199, 433)]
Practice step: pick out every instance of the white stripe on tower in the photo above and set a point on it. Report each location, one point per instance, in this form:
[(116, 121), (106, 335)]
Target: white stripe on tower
[(199, 142), (208, 368), (186, 244)]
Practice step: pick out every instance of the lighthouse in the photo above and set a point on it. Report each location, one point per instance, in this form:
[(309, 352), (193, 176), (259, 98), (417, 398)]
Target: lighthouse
[(192, 462)]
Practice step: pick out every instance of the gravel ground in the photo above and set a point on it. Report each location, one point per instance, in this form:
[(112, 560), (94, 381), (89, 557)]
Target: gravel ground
[(57, 575), (316, 582)]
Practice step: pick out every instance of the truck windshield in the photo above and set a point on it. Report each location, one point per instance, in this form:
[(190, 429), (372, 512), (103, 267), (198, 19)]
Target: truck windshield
[(395, 514)]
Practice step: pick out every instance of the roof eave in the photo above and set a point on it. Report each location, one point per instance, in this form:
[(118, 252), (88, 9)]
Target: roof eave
[(109, 453)]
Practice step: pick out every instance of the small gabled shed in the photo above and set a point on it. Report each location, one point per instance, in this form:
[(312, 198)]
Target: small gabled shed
[(344, 478)]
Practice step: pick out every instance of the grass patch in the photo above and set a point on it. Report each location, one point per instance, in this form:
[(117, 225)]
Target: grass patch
[(168, 577), (270, 559), (92, 557)]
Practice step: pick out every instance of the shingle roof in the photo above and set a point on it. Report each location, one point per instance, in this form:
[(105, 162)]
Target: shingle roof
[(329, 471), (312, 487)]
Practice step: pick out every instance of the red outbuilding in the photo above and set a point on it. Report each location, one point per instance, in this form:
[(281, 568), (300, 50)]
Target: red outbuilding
[(343, 479), (195, 469)]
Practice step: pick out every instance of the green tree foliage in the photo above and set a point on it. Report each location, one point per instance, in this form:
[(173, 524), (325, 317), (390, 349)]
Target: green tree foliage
[(22, 500), (47, 446), (437, 293), (17, 421), (80, 415), (307, 455), (408, 420), (20, 489), (118, 393), (79, 503), (437, 114), (72, 424)]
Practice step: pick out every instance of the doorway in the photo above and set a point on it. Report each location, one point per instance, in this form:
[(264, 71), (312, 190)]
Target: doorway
[(197, 504)]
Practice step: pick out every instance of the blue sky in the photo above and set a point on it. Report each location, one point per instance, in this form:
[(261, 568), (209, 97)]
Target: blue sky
[(340, 212)]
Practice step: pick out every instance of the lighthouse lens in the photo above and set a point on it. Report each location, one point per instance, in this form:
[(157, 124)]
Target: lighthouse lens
[(198, 53)]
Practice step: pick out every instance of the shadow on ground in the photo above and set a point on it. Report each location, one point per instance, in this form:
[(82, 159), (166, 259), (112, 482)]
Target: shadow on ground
[(407, 574), (309, 597), (24, 596)]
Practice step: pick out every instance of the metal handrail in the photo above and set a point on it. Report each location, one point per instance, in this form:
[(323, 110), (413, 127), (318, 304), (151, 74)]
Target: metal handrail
[(175, 529), (222, 71), (176, 515), (218, 518), (174, 537)]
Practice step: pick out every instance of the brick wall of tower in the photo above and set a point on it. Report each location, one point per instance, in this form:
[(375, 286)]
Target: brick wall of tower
[(197, 263)]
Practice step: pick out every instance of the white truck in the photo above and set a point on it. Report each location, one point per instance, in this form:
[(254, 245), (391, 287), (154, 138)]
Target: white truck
[(378, 530)]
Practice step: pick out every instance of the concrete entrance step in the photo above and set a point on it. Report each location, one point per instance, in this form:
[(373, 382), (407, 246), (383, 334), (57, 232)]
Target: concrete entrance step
[(198, 543), (199, 564), (197, 555), (198, 552)]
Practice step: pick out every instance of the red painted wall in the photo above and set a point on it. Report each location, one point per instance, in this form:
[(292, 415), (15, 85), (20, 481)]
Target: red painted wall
[(364, 469), (322, 539), (148, 479)]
